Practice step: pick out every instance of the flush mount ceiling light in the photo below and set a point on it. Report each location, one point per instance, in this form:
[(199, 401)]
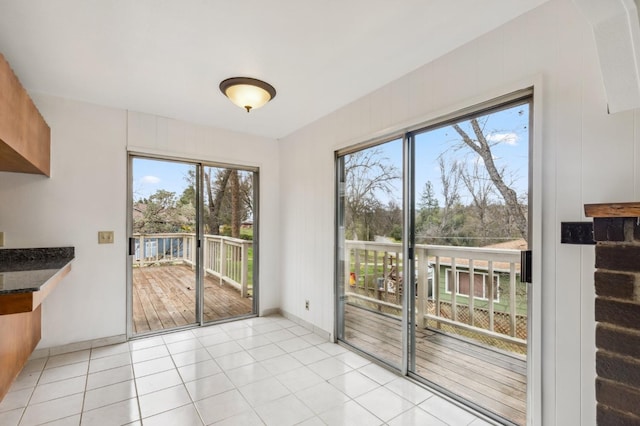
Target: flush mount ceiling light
[(247, 93)]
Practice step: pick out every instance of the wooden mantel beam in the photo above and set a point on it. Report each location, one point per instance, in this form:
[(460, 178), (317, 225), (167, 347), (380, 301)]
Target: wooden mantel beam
[(612, 210)]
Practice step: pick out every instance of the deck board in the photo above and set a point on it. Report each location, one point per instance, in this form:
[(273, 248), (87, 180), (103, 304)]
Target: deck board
[(493, 380), (164, 297)]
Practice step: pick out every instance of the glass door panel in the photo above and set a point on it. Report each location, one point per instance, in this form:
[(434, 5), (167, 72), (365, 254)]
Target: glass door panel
[(370, 253), (471, 222), (163, 245), (228, 243)]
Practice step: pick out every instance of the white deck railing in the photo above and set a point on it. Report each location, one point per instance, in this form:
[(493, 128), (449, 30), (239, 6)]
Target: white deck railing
[(224, 257), (228, 259), (373, 276)]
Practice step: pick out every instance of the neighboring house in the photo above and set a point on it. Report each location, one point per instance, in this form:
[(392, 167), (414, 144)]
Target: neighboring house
[(482, 290)]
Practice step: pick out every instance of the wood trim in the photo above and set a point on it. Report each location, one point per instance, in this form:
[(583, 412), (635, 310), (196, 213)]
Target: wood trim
[(47, 288), (612, 210), (19, 334), (25, 138), (14, 303)]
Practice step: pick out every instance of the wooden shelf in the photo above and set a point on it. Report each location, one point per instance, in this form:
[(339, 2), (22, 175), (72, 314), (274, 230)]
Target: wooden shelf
[(612, 210), (25, 138)]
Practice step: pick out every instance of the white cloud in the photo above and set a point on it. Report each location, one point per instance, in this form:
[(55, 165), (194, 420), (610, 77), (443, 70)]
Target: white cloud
[(507, 138), (152, 180)]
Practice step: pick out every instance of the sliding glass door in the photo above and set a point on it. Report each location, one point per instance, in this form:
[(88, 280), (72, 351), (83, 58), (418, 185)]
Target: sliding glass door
[(471, 223), (192, 251), (430, 230), (228, 243), (163, 245), (371, 267)]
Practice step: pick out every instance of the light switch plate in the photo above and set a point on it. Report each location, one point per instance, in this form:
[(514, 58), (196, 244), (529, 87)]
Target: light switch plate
[(105, 237)]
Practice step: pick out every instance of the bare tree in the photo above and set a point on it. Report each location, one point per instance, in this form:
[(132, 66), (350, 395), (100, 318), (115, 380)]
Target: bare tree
[(368, 176), (450, 181), (235, 204), (480, 145), (480, 188), (215, 202)]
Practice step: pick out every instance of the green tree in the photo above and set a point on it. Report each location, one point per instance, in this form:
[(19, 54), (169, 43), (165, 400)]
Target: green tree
[(428, 217), (188, 196), (161, 213)]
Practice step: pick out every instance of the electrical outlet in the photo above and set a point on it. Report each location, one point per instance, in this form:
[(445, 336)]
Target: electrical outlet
[(306, 305), (1, 239), (105, 237)]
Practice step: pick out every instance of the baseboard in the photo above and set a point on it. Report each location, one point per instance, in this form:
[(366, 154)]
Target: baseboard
[(105, 341), (271, 311), (316, 330), (78, 346)]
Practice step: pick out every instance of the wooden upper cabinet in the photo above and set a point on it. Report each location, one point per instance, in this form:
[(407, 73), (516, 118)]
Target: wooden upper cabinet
[(25, 138)]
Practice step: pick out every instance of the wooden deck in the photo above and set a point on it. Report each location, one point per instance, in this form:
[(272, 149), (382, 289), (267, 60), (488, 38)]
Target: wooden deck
[(165, 297), (490, 379)]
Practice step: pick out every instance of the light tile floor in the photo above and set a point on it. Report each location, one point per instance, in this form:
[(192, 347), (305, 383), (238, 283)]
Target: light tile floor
[(257, 371)]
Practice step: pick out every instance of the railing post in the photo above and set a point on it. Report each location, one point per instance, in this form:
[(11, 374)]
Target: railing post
[(385, 274), (194, 245), (356, 266), (365, 273), (491, 295), (472, 292), (512, 300), (347, 268), (142, 249), (436, 289), (398, 282), (223, 260), (205, 255), (454, 290), (378, 279), (423, 285), (245, 269), (186, 248)]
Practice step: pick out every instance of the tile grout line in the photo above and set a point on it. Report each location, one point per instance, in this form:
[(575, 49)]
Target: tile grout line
[(135, 383), (258, 331)]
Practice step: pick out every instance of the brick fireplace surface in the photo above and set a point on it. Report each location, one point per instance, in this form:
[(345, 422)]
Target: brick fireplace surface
[(617, 311)]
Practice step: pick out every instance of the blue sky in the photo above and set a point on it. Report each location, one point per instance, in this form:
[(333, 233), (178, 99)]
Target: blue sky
[(152, 175), (507, 129)]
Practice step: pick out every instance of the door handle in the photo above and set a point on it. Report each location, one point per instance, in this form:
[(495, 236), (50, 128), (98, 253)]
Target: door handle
[(526, 266)]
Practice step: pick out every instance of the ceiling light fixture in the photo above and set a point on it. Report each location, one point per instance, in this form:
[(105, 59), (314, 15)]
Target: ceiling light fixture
[(247, 93)]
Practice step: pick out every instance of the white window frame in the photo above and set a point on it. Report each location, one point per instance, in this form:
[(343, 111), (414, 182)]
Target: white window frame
[(496, 297)]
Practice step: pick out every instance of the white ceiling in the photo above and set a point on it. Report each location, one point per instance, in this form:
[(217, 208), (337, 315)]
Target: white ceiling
[(167, 57)]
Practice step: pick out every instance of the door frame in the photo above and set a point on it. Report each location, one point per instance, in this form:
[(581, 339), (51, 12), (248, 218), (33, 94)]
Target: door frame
[(199, 269), (533, 85)]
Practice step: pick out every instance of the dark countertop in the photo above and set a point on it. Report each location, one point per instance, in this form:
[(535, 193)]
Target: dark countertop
[(27, 270)]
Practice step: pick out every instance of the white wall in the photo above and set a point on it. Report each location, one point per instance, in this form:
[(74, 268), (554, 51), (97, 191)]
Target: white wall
[(587, 156), (87, 192), (163, 136)]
